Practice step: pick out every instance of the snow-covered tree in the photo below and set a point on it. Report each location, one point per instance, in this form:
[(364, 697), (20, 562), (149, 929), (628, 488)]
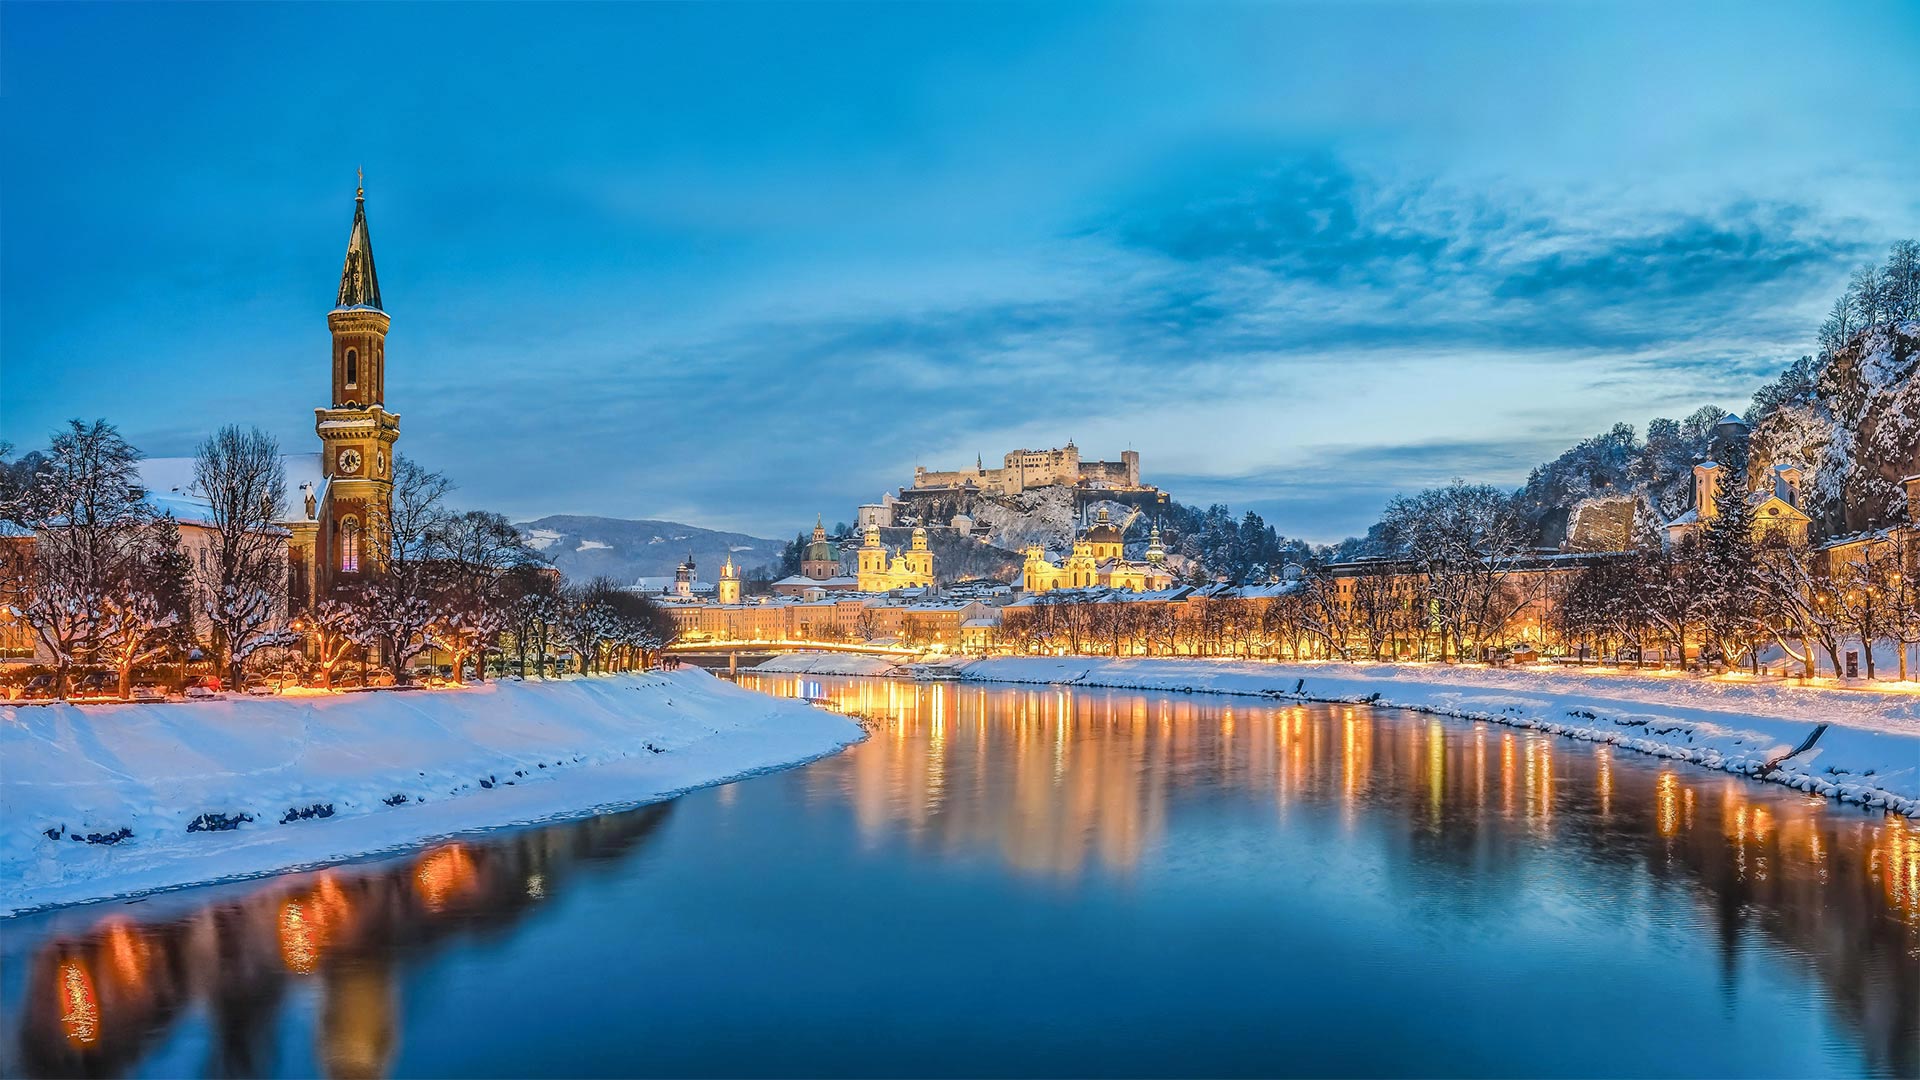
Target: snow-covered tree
[(473, 553), (335, 630), (396, 600), (1727, 578), (1466, 540), (147, 604), (533, 603), (1800, 604), (240, 474), (87, 515)]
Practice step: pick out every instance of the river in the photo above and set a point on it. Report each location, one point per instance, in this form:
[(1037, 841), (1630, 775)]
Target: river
[(1048, 882)]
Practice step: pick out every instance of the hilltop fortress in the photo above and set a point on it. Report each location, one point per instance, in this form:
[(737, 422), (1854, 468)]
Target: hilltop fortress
[(1022, 470)]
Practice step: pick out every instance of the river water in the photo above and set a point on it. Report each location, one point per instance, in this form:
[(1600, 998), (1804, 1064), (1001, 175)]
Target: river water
[(1048, 882)]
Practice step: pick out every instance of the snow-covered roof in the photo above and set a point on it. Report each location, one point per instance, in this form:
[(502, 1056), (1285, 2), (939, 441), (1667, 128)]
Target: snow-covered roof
[(171, 489), (801, 581), (659, 584)]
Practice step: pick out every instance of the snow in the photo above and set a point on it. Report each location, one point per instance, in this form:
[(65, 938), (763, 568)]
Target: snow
[(469, 758), (594, 545), (542, 539), (1870, 755)]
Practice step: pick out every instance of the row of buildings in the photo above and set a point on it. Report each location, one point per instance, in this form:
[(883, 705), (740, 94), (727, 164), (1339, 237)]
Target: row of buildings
[(822, 603)]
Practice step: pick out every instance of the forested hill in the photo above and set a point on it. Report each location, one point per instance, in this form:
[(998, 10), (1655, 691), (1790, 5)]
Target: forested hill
[(1849, 416)]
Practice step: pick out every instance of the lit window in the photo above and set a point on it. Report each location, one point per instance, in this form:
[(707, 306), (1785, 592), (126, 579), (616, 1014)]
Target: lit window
[(350, 547), (353, 368)]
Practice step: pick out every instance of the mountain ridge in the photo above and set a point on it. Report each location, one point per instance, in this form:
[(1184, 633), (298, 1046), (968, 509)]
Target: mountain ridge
[(585, 546)]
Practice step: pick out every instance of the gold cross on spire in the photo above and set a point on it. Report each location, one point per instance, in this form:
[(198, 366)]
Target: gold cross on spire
[(360, 188)]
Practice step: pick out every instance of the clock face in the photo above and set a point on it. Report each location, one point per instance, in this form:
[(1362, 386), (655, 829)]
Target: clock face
[(349, 460)]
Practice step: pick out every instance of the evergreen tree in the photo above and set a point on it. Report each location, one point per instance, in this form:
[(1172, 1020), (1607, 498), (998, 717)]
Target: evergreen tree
[(170, 577), (1728, 580)]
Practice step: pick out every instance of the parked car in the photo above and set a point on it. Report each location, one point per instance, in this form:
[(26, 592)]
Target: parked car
[(201, 686), (148, 692), (37, 688), (97, 684)]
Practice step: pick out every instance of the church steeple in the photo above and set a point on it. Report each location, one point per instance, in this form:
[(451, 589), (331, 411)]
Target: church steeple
[(358, 322), (357, 433), (359, 285)]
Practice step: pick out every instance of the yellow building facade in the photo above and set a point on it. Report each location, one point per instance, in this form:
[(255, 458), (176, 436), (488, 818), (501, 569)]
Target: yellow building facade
[(1098, 559), (876, 572)]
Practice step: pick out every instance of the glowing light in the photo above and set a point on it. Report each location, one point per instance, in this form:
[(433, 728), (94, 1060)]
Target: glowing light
[(298, 950), (79, 1009), (1667, 794), (443, 875)]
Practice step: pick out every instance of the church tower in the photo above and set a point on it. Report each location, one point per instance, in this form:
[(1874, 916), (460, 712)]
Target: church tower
[(357, 433), (729, 583)]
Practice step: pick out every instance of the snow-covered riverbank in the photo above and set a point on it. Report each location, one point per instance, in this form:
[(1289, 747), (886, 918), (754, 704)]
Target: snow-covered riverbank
[(1870, 755), (333, 777)]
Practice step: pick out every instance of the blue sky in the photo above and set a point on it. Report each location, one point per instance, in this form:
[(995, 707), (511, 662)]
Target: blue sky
[(734, 264)]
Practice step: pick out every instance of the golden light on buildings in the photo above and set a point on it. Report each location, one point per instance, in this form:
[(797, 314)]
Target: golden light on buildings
[(79, 1008)]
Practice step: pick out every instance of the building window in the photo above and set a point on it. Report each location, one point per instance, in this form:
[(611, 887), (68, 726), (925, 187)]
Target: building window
[(353, 368), (350, 546)]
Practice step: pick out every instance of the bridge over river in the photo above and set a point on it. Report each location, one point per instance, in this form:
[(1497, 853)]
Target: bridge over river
[(734, 654)]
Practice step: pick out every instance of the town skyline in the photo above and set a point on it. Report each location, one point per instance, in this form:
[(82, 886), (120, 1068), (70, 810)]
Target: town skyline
[(1293, 300)]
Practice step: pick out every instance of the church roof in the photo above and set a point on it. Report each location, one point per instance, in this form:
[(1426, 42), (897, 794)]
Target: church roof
[(359, 285)]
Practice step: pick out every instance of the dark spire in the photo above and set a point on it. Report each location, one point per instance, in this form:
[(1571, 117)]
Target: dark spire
[(359, 285)]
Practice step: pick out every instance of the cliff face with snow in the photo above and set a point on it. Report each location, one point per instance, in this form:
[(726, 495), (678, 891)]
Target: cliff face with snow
[(1864, 422)]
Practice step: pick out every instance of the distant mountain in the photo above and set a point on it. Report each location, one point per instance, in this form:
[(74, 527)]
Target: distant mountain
[(587, 547)]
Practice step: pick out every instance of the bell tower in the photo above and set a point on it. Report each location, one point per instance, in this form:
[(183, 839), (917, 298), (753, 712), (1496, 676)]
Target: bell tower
[(357, 433)]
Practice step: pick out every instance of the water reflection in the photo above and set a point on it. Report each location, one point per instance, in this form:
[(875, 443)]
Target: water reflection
[(1075, 830), (97, 1002), (1093, 772)]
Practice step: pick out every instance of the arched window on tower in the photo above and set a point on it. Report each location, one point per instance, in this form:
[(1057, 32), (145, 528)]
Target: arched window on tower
[(353, 368), (350, 546)]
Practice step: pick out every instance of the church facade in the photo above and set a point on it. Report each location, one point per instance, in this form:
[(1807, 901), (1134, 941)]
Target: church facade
[(875, 572), (1776, 504), (1099, 559)]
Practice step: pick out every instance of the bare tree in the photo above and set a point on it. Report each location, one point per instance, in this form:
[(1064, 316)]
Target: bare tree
[(141, 611), (1801, 606), (240, 474), (533, 607), (336, 628), (473, 554), (397, 600), (84, 508), (1467, 540)]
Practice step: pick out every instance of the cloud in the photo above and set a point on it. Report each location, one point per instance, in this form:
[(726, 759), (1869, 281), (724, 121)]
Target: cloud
[(1202, 315), (1360, 260), (1309, 218)]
